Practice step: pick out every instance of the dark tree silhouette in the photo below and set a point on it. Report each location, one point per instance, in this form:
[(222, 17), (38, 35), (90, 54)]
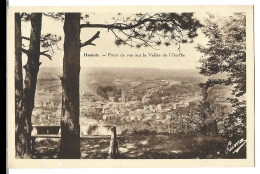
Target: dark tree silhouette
[(226, 53), (70, 128), (24, 111), (20, 146), (25, 93)]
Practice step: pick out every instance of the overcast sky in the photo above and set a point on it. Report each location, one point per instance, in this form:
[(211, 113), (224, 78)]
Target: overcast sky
[(105, 44)]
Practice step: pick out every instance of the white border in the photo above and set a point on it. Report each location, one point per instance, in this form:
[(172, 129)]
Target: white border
[(129, 2), (161, 2)]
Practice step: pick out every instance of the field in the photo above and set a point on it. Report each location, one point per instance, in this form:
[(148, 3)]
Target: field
[(148, 85)]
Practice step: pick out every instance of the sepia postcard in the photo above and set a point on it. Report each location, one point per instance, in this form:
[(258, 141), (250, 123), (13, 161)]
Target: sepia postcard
[(130, 86)]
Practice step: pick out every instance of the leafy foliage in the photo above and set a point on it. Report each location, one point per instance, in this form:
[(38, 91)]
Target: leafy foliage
[(47, 41), (144, 29), (103, 92), (226, 53), (56, 16)]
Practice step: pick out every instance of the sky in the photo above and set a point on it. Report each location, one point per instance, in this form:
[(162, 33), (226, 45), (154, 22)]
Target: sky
[(105, 44)]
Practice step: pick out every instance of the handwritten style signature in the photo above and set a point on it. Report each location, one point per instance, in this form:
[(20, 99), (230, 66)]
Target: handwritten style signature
[(236, 146)]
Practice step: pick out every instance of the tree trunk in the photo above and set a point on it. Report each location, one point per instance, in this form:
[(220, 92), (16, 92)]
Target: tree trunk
[(19, 122), (27, 104), (70, 128), (18, 62), (113, 148)]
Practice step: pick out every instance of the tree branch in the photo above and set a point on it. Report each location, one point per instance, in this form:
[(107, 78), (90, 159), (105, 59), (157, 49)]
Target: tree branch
[(119, 27), (47, 55), (24, 50), (89, 42), (151, 30), (41, 53), (26, 38)]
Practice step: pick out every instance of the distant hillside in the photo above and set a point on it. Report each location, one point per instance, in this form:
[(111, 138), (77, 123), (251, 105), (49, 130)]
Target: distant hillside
[(122, 78), (144, 73), (49, 72), (131, 72)]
